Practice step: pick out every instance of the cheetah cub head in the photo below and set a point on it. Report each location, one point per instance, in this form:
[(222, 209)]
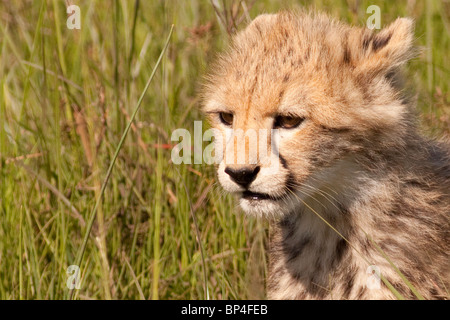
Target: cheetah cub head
[(315, 95)]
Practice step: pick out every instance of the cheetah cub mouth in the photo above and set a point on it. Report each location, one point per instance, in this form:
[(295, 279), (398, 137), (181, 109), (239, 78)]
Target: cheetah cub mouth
[(254, 196)]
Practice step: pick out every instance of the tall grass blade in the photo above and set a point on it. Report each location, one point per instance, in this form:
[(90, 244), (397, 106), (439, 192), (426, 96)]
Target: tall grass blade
[(111, 166)]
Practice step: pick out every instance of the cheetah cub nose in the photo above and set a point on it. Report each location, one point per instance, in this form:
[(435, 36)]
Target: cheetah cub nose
[(242, 176)]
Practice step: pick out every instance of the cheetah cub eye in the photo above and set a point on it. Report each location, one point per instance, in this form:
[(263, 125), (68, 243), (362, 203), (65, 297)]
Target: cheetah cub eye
[(226, 118), (287, 122)]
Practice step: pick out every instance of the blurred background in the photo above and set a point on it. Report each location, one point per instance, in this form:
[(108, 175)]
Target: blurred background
[(162, 231)]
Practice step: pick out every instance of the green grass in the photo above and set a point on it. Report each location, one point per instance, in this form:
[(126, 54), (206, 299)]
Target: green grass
[(66, 97)]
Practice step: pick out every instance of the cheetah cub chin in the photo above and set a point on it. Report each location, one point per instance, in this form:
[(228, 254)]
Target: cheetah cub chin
[(350, 187)]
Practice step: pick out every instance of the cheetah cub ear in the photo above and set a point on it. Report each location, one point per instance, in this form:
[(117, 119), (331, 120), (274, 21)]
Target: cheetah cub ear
[(383, 52)]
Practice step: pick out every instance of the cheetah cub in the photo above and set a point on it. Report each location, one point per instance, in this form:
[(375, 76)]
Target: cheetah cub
[(356, 194)]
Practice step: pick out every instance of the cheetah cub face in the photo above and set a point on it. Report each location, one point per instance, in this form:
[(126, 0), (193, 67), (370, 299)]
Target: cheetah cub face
[(314, 94)]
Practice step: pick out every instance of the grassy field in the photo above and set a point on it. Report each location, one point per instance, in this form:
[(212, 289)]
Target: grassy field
[(161, 231)]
